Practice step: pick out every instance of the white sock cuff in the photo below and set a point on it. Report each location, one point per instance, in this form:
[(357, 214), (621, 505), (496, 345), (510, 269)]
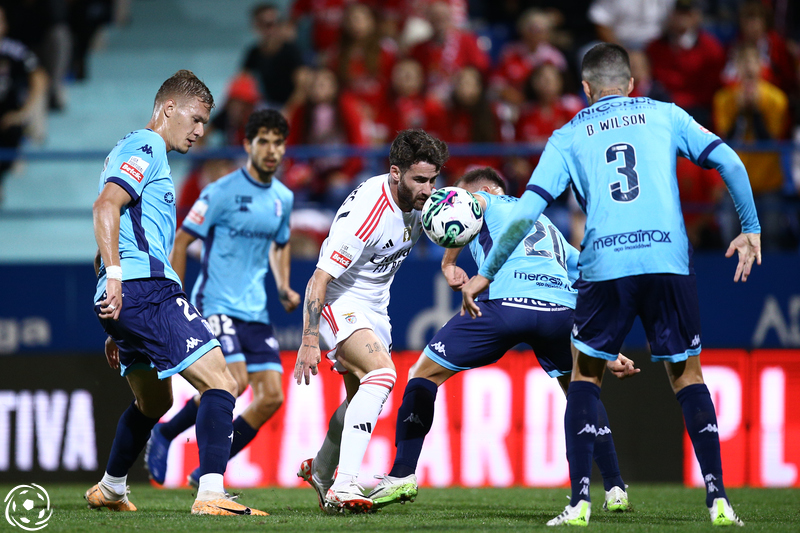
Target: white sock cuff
[(117, 484), (211, 483), (383, 377)]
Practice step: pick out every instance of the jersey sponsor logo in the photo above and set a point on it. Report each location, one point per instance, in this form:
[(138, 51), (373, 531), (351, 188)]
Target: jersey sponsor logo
[(243, 202), (390, 262), (350, 318), (192, 343), (146, 149), (542, 280), (198, 213), (135, 167), (340, 259), (169, 197), (632, 240), (250, 234), (611, 104)]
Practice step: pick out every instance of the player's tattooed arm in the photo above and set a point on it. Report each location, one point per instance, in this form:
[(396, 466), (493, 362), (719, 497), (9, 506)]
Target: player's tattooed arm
[(308, 357)]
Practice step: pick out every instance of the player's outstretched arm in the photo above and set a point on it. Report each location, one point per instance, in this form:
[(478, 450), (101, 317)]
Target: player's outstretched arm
[(622, 367), (105, 215), (308, 356), (280, 257), (177, 258), (748, 246), (455, 275)]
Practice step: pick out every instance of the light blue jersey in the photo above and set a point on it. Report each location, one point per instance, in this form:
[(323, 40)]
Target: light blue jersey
[(620, 156), (138, 164), (238, 218), (543, 266)]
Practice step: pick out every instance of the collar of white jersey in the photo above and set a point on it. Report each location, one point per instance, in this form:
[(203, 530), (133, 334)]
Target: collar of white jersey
[(387, 191)]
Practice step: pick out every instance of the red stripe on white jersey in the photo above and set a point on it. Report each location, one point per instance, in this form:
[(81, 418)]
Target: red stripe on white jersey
[(327, 314), (372, 220)]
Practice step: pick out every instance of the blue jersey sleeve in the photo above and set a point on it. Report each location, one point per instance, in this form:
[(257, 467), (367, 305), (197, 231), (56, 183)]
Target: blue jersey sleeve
[(704, 148), (551, 176), (205, 212), (132, 165), (284, 231), (693, 140), (524, 215)]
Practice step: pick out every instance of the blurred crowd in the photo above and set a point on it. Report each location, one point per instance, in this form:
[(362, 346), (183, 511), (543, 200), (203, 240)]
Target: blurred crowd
[(354, 73), (43, 45)]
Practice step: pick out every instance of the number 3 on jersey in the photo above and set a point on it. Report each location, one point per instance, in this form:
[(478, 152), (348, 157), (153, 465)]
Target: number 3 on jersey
[(627, 170)]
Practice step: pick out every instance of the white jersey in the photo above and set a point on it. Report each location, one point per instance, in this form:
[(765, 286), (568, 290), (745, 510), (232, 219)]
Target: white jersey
[(368, 241)]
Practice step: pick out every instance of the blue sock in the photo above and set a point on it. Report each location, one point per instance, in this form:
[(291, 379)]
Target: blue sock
[(580, 425), (179, 423), (133, 430), (701, 424), (414, 421), (215, 430), (243, 433), (605, 455)]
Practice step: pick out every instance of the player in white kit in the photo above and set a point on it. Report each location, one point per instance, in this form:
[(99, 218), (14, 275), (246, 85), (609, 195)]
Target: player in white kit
[(372, 233)]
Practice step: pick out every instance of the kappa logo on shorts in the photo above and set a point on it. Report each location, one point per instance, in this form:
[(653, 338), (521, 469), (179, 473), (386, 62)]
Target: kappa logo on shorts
[(439, 347), (191, 343), (350, 318), (696, 341)]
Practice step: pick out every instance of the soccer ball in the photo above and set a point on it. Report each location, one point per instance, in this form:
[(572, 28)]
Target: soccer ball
[(451, 217)]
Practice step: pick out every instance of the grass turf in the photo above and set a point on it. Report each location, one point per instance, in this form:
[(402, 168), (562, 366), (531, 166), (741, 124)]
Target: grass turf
[(656, 508)]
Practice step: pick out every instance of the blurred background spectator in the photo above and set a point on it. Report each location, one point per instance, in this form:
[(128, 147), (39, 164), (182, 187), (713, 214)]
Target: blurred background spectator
[(326, 119), (23, 88), (630, 23), (749, 111), (275, 60)]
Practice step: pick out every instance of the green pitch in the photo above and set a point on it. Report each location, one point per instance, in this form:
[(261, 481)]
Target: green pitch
[(656, 508)]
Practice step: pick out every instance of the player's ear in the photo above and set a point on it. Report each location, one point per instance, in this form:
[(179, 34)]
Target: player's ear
[(394, 172), (630, 87), (246, 144), (587, 90)]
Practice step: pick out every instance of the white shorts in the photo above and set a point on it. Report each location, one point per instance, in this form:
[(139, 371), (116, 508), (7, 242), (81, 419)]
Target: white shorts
[(342, 318)]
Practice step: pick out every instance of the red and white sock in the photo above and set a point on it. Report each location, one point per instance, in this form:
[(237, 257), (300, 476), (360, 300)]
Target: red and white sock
[(359, 422)]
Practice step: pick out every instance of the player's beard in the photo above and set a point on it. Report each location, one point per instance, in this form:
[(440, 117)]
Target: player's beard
[(406, 197)]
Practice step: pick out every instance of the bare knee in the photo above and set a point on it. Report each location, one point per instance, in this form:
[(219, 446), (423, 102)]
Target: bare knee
[(269, 402)]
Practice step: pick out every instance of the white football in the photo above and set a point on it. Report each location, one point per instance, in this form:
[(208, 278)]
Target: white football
[(452, 217)]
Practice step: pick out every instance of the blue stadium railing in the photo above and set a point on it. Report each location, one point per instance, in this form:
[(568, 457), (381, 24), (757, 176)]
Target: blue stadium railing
[(787, 149)]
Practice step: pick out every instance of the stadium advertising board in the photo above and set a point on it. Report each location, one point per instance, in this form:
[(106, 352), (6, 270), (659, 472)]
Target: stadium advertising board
[(762, 313)]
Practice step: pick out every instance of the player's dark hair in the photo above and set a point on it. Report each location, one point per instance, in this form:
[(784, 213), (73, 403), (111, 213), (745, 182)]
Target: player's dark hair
[(417, 146), (479, 175), (260, 8), (606, 66), (184, 85), (266, 118)]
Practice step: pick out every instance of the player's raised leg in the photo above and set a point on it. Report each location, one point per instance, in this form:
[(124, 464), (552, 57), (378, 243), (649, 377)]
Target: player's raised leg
[(153, 399), (214, 427), (364, 355)]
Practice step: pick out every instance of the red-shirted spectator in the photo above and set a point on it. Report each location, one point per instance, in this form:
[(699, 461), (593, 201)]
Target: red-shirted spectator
[(407, 106), (519, 58), (326, 19), (546, 109), (688, 61), (643, 82), (447, 51), (779, 67), (363, 61), (229, 122), (471, 118), (326, 119)]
